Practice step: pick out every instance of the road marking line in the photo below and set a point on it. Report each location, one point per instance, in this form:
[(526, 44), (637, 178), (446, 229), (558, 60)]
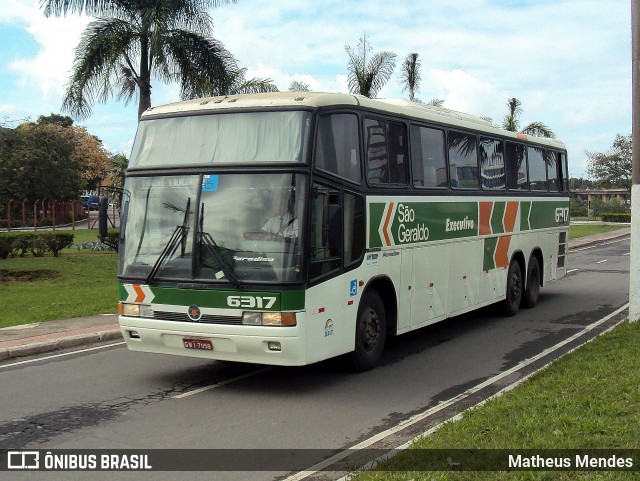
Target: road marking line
[(63, 354), (602, 261), (425, 414), (572, 270), (627, 254), (219, 384)]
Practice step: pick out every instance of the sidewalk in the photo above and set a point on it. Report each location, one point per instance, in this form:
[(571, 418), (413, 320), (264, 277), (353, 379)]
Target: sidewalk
[(30, 339)]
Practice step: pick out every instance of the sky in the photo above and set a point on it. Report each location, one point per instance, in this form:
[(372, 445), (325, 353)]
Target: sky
[(567, 61)]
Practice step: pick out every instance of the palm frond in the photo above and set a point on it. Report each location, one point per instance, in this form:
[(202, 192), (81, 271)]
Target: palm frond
[(102, 48), (538, 129), (255, 86), (410, 75), (380, 69), (202, 65)]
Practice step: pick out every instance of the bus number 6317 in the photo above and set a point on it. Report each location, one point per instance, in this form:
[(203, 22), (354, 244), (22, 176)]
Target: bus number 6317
[(251, 302)]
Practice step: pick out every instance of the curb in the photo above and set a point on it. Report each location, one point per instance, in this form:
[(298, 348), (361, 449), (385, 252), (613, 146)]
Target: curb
[(61, 343), (577, 244)]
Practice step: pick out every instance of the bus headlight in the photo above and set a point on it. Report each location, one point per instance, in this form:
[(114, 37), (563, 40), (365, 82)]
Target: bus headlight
[(135, 310), (269, 318)]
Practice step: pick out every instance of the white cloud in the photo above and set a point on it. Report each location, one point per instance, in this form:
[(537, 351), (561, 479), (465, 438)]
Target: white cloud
[(568, 61), (50, 68)]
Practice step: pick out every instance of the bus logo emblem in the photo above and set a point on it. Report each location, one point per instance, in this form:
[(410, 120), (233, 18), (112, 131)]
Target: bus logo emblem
[(194, 313)]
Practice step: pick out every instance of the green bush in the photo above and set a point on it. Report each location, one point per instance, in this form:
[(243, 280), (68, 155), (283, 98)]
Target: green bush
[(5, 245), (56, 241), (615, 217), (577, 209), (112, 238), (22, 242), (39, 243)]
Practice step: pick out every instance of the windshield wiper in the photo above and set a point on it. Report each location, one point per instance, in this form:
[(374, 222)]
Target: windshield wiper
[(205, 240), (179, 236)]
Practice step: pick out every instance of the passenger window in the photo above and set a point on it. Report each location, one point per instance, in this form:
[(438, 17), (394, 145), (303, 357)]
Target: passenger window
[(516, 164), (463, 161), (386, 152), (338, 146), (537, 169), (492, 164), (428, 158), (551, 159)]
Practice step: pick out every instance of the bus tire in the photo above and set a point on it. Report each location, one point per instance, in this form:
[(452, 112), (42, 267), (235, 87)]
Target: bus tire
[(371, 329), (513, 297), (532, 292)]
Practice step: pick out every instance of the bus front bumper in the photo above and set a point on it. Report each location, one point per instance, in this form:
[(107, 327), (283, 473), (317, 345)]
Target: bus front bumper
[(271, 345)]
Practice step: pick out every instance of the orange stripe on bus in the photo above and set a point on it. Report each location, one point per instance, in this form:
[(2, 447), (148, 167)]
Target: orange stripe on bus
[(485, 217), (141, 295), (386, 224), (502, 251), (510, 214)]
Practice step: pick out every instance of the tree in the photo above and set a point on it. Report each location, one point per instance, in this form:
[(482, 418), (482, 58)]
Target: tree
[(511, 122), (37, 162), (368, 75), (91, 156), (134, 40), (612, 169), (410, 75), (298, 86)]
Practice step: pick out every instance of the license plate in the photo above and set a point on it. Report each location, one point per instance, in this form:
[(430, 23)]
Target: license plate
[(198, 344)]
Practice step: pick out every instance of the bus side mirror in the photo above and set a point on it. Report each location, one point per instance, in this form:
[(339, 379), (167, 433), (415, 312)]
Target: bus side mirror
[(103, 216)]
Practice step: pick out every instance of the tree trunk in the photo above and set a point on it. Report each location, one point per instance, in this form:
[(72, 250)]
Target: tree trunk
[(144, 81)]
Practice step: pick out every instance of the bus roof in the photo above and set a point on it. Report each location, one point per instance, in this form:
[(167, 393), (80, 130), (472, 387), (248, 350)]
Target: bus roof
[(401, 107)]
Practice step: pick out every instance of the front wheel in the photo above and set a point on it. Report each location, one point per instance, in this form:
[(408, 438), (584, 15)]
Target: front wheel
[(514, 289), (371, 328)]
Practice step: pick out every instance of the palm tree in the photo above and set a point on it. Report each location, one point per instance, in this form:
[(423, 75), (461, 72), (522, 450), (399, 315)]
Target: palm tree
[(234, 84), (132, 41), (511, 122), (410, 75), (298, 86), (368, 76)]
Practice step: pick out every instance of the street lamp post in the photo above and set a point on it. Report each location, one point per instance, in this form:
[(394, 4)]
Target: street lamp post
[(634, 281)]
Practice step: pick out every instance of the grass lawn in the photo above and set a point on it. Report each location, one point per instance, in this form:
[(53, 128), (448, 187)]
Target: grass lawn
[(78, 283), (589, 399), (583, 230)]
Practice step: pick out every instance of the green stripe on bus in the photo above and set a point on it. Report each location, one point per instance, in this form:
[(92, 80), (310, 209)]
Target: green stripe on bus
[(497, 226), (414, 222), (489, 249), (525, 209), (226, 298)]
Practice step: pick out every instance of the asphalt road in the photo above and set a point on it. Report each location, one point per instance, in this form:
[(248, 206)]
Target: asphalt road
[(110, 398)]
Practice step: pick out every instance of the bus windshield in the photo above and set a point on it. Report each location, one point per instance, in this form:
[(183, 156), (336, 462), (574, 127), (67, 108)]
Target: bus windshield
[(228, 228), (228, 138)]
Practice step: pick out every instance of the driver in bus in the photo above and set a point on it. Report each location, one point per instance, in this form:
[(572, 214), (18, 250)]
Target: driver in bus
[(283, 224)]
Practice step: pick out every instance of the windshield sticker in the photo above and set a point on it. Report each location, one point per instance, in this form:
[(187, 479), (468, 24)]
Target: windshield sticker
[(210, 183)]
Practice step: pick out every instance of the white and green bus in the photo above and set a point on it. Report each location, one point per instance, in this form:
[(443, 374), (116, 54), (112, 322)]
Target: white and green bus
[(289, 228)]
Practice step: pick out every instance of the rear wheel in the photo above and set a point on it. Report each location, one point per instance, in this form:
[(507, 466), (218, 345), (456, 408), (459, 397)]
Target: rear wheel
[(513, 297), (532, 291), (371, 327)]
